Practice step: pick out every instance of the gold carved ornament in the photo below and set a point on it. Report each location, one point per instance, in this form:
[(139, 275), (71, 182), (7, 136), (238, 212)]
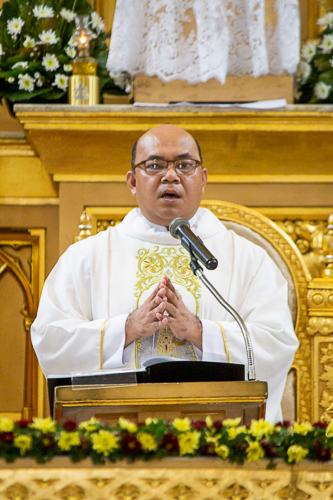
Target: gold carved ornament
[(30, 284), (291, 255)]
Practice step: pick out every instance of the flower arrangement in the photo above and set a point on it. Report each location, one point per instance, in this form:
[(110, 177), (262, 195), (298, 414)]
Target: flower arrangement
[(315, 71), (37, 48), (43, 438)]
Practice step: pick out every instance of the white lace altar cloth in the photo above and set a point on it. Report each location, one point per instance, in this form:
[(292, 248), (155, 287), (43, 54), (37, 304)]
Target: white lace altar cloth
[(196, 40)]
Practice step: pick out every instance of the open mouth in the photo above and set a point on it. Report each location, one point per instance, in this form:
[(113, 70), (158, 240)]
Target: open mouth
[(170, 196)]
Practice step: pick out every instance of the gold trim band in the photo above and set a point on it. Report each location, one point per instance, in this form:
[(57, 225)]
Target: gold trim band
[(102, 340), (225, 341)]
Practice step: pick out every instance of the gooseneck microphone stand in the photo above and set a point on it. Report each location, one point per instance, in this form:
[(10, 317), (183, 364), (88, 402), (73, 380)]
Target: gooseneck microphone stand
[(198, 271)]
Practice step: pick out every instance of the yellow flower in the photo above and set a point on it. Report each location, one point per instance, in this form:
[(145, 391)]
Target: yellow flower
[(254, 452), (234, 431), (209, 421), (188, 442), (90, 425), (329, 429), (260, 428), (296, 453), (126, 424), (302, 428), (222, 451), (210, 439), (24, 443), (43, 424), (68, 439), (6, 425), (182, 424), (231, 422), (104, 442), (147, 441), (150, 420)]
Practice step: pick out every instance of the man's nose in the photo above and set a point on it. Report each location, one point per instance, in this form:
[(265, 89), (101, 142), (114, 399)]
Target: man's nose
[(171, 174)]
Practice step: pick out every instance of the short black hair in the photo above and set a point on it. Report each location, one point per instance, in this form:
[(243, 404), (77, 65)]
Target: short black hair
[(135, 145)]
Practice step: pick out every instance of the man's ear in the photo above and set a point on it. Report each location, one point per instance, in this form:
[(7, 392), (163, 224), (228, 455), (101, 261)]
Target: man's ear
[(204, 178), (131, 182)]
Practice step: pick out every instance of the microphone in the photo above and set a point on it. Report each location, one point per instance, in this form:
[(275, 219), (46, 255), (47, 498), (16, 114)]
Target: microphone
[(180, 228)]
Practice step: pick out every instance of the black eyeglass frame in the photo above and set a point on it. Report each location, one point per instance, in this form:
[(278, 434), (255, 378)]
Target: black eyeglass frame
[(144, 167)]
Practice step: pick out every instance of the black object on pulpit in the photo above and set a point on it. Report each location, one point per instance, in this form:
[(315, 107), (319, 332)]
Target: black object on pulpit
[(167, 372)]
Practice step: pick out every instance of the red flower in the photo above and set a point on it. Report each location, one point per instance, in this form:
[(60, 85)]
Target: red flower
[(130, 445), (217, 425), (322, 425), (47, 441), (69, 425), (209, 450), (322, 454), (198, 425), (284, 423), (7, 437), (170, 443), (269, 449), (23, 423)]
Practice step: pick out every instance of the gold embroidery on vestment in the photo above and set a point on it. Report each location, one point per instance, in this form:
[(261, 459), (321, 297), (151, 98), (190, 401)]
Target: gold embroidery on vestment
[(153, 264), (102, 341), (225, 342)]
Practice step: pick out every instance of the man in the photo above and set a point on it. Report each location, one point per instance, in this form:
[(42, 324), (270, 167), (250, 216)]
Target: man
[(128, 293)]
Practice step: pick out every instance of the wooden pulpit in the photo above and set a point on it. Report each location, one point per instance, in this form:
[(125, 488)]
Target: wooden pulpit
[(136, 402)]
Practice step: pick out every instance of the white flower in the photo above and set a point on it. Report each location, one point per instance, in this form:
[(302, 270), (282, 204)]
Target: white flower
[(309, 51), (26, 82), (68, 15), (1, 50), (50, 62), (327, 44), (61, 81), (97, 22), (39, 79), (11, 79), (15, 25), (43, 11), (70, 51), (67, 68), (303, 72), (322, 90), (327, 19), (0, 12), (72, 42), (29, 42), (49, 37), (22, 64)]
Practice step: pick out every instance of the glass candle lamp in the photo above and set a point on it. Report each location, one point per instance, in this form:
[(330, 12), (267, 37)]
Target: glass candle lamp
[(83, 86)]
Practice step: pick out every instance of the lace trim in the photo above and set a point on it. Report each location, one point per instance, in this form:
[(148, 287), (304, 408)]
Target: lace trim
[(196, 40)]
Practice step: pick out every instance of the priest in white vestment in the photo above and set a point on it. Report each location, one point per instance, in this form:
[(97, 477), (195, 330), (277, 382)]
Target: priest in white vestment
[(128, 293)]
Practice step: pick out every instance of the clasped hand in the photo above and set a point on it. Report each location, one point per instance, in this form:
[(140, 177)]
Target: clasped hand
[(164, 307)]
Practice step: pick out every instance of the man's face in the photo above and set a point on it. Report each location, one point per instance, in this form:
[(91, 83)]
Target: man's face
[(162, 198)]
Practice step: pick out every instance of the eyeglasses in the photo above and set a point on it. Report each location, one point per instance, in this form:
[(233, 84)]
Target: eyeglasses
[(159, 167)]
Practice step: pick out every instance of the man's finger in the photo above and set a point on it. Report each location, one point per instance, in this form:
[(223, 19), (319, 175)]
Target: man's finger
[(172, 297), (169, 284), (171, 310)]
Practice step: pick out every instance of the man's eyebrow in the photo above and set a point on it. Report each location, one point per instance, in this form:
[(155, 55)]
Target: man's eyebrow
[(158, 157)]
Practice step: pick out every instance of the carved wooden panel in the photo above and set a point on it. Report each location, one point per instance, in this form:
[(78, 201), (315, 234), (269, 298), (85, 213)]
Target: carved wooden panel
[(22, 256)]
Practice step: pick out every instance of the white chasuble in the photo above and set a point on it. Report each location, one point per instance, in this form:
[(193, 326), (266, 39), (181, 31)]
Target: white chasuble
[(98, 282)]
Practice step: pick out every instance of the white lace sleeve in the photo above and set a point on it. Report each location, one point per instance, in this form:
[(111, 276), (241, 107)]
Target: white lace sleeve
[(196, 40)]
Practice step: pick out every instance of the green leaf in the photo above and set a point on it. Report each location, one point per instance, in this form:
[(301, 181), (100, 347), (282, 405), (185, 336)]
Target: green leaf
[(24, 95)]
